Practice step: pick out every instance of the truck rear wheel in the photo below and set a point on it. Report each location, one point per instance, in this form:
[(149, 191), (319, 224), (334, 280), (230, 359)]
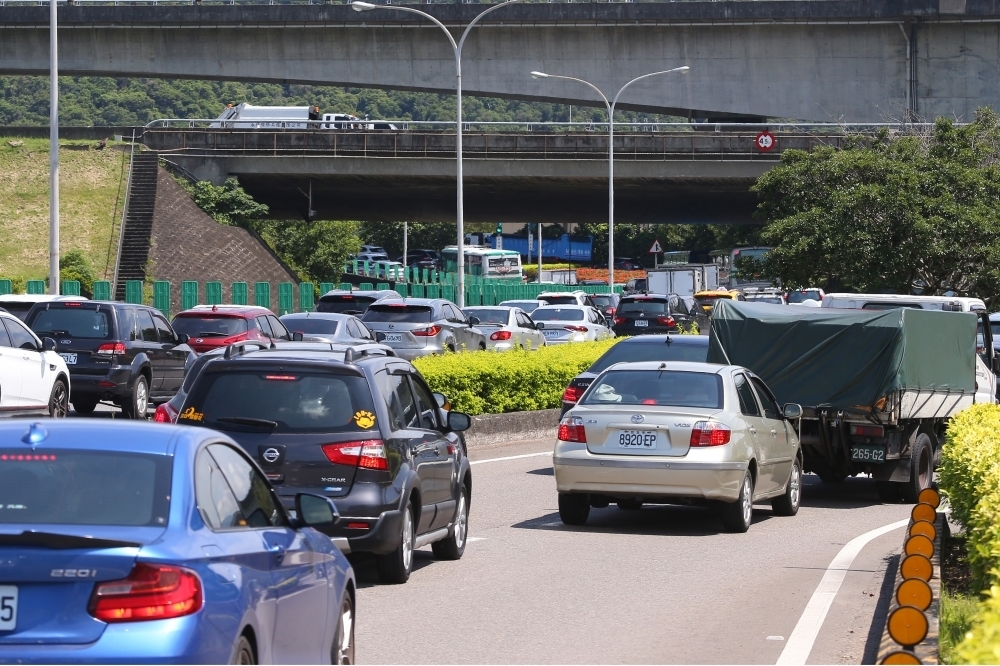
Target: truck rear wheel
[(921, 469)]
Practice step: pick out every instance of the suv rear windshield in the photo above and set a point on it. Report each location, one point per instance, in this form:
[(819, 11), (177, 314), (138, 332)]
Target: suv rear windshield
[(279, 400), (655, 387), (72, 487), (646, 306), (557, 314), (75, 322), (406, 314), (560, 300), (310, 325), (603, 301), (650, 351), (344, 304), (214, 326), (17, 308), (802, 296)]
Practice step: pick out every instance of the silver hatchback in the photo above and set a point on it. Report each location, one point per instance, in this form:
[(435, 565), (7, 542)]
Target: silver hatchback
[(416, 327)]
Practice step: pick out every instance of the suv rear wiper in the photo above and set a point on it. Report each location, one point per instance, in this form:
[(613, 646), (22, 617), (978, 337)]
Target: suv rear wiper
[(58, 331), (245, 420), (62, 541)]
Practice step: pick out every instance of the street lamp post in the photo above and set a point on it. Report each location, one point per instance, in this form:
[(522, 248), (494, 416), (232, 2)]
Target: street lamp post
[(611, 151), (53, 150), (457, 48)]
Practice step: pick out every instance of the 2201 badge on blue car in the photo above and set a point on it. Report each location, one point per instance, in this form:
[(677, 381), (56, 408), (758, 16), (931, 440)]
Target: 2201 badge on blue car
[(141, 543)]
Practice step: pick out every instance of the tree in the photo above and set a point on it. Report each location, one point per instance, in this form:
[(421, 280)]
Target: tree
[(74, 265), (904, 213), (228, 203), (317, 250)]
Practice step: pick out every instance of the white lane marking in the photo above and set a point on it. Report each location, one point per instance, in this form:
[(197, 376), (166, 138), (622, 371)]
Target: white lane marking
[(775, 638), (526, 455), (800, 643), (471, 539)]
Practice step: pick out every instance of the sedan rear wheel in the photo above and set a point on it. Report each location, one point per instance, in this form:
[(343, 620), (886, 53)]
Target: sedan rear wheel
[(343, 646), (736, 516), (788, 504), (244, 652), (574, 508)]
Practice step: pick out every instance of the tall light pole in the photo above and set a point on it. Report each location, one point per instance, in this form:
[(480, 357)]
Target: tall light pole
[(457, 47), (53, 150), (611, 151)]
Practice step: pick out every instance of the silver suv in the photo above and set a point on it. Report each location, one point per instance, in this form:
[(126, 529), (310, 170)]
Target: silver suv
[(416, 327)]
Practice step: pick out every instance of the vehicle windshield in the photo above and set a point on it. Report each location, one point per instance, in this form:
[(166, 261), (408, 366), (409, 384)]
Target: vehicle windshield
[(310, 325), (73, 322), (889, 306), (344, 304), (487, 316), (281, 401), (399, 313), (706, 302), (777, 300), (557, 314), (214, 326), (803, 296), (643, 351), (657, 387), (72, 487), (603, 301), (559, 300), (645, 306)]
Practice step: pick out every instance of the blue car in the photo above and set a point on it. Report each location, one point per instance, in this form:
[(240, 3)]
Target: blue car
[(125, 542)]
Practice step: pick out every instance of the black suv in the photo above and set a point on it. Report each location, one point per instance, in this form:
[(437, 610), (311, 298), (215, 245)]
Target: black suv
[(118, 352), (654, 313), (364, 431)]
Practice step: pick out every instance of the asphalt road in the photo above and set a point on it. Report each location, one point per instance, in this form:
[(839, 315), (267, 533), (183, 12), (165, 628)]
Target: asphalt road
[(663, 584)]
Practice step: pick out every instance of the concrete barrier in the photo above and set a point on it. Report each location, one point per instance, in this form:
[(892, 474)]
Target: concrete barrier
[(489, 429)]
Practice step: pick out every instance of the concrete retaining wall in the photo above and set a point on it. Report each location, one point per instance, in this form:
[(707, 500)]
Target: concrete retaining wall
[(491, 429)]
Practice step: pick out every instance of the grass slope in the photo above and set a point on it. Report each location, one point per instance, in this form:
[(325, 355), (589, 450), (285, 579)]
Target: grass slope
[(88, 185)]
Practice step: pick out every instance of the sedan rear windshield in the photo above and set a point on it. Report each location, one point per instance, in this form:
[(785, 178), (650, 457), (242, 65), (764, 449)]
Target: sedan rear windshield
[(802, 296), (280, 400), (84, 487), (670, 388), (497, 317), (560, 300), (557, 314), (344, 304), (527, 306), (405, 314), (642, 351), (310, 325), (645, 306), (209, 326), (73, 322)]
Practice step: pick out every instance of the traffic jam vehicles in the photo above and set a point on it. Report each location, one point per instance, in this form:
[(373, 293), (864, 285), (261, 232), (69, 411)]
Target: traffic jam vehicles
[(34, 379)]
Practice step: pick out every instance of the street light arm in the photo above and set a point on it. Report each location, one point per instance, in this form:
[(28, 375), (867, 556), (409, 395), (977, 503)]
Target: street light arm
[(469, 27), (587, 83), (646, 76), (365, 6)]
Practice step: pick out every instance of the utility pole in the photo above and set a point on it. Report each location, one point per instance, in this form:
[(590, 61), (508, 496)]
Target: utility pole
[(53, 150)]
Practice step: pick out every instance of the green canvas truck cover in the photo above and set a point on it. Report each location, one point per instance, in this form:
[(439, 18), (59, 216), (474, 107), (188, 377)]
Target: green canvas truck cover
[(830, 358)]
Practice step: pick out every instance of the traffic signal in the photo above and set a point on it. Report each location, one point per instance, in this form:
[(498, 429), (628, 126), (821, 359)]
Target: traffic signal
[(499, 227)]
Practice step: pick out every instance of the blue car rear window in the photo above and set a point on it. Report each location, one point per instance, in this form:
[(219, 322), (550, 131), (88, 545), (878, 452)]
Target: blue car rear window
[(69, 487)]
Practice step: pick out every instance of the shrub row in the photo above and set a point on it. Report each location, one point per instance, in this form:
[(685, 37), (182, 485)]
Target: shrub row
[(970, 477), (513, 381)]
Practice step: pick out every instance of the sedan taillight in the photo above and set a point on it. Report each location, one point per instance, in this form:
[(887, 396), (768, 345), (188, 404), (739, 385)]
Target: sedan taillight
[(151, 592), (576, 329), (571, 394), (710, 433), (366, 453), (571, 430), (500, 335), (428, 332)]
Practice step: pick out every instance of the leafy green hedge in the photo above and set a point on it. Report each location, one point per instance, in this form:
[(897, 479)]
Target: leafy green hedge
[(970, 477), (491, 382)]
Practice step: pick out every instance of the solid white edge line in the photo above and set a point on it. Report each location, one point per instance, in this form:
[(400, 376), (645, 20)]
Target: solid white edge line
[(525, 455), (800, 643)]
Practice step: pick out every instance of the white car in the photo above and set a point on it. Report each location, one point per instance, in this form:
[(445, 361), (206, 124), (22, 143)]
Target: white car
[(506, 328), (19, 304), (577, 297), (33, 377), (571, 323), (669, 432), (528, 306)]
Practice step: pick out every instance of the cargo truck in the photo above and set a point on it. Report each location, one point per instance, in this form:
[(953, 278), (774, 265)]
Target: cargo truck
[(877, 387), (683, 279)]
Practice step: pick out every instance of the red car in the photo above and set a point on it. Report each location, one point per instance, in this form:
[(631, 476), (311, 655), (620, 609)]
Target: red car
[(213, 326)]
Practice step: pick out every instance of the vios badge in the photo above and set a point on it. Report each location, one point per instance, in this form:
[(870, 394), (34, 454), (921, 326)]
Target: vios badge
[(271, 455), (65, 342), (637, 418)]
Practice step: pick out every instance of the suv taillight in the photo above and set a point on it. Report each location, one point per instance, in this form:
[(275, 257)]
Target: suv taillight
[(571, 394), (111, 348), (241, 337), (619, 321), (151, 592), (165, 414), (429, 332), (365, 453), (710, 433), (665, 321), (571, 430)]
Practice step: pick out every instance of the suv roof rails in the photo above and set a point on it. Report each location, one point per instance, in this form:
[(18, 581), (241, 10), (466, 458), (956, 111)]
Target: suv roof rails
[(240, 348)]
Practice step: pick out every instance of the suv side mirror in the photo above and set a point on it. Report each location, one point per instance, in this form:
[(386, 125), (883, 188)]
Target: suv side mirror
[(379, 336), (315, 510), (442, 400), (792, 411), (48, 344), (459, 422), (183, 338)]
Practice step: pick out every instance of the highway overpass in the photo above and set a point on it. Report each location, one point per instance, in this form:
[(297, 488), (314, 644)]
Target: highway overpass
[(823, 60)]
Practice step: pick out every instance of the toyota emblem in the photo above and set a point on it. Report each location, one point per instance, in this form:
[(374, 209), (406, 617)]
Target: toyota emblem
[(637, 418), (271, 455)]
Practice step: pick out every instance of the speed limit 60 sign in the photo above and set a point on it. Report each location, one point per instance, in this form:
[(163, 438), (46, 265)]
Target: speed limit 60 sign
[(765, 141)]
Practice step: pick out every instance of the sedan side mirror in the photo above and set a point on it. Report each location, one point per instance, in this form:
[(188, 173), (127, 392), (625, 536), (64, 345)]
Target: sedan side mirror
[(48, 344), (183, 338), (379, 337), (792, 411), (473, 321), (316, 510), (539, 325), (459, 422), (297, 336)]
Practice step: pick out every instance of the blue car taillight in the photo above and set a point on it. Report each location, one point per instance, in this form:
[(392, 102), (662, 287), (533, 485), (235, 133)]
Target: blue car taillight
[(151, 592)]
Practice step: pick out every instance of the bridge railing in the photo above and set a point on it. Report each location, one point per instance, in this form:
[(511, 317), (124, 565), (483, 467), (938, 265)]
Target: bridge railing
[(649, 142)]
